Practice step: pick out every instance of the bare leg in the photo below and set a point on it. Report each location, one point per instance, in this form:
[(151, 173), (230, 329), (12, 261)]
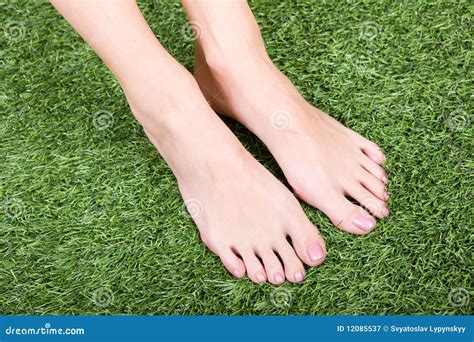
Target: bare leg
[(243, 213), (323, 161)]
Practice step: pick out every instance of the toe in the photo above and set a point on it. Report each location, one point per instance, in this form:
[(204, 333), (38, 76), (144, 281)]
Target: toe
[(307, 242), (255, 270), (367, 200), (294, 269), (376, 170), (273, 267), (346, 215), (232, 263), (372, 151), (374, 185)]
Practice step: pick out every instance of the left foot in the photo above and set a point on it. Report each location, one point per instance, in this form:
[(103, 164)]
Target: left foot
[(325, 162)]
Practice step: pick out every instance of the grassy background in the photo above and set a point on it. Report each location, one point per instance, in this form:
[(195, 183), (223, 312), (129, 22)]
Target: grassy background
[(92, 221)]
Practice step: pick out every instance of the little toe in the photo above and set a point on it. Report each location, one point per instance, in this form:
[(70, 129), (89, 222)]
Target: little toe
[(255, 270), (273, 267), (232, 263), (294, 269)]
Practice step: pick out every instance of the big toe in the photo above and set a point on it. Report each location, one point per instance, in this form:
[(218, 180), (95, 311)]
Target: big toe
[(348, 216)]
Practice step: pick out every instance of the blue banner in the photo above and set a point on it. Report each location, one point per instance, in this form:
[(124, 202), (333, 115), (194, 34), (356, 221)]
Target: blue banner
[(236, 328)]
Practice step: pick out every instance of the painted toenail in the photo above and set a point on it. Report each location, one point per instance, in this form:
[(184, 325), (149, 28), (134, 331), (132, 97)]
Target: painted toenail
[(364, 222), (299, 276), (385, 212), (236, 272), (315, 251), (385, 179), (260, 278), (278, 278), (385, 196)]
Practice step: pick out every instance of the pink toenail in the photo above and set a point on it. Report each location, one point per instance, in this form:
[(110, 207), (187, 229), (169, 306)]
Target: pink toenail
[(299, 276), (364, 222), (315, 251), (236, 272), (385, 179), (385, 212), (385, 196), (278, 278), (260, 278)]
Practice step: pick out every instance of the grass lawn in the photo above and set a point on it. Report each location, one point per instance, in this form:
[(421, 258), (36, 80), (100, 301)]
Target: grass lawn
[(91, 218)]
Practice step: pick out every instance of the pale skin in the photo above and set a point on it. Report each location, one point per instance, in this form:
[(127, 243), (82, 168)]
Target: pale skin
[(244, 214)]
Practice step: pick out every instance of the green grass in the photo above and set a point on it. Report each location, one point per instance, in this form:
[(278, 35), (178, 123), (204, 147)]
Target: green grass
[(92, 221)]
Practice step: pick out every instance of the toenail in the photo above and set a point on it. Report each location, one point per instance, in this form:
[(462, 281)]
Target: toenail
[(385, 196), (315, 251), (385, 212), (385, 179), (236, 272), (278, 278), (299, 276), (364, 222), (260, 278)]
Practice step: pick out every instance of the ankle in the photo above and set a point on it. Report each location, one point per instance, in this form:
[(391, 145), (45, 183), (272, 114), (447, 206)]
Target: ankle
[(188, 134), (223, 59)]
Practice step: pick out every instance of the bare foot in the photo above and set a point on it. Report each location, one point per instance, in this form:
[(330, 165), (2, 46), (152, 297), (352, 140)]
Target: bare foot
[(244, 214), (325, 162)]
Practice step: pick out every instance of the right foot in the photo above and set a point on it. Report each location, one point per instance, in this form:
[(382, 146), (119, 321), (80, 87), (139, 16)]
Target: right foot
[(327, 165), (244, 214)]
